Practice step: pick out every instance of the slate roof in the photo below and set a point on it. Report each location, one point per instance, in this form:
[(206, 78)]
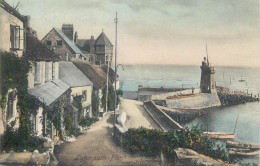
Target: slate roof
[(71, 75), (103, 40), (37, 51), (94, 73), (75, 49), (49, 92), (86, 45), (81, 42)]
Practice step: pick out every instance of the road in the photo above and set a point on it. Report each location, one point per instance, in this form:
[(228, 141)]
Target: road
[(96, 147)]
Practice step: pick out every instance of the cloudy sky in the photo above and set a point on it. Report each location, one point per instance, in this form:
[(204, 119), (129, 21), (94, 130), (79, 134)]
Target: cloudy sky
[(160, 31)]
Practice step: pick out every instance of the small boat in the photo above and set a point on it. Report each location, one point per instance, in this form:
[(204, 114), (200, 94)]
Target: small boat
[(241, 80), (219, 135), (243, 152), (232, 144)]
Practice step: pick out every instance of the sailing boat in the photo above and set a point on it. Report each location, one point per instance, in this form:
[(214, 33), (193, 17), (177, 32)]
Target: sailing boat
[(221, 135), (241, 80)]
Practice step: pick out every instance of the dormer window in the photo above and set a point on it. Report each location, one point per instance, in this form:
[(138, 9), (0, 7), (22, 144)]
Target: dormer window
[(15, 37)]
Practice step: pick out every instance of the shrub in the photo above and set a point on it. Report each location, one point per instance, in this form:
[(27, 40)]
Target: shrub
[(87, 121), (12, 141), (69, 126), (151, 142)]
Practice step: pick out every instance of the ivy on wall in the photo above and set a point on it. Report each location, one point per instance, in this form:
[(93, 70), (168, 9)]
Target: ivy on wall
[(14, 76), (95, 106)]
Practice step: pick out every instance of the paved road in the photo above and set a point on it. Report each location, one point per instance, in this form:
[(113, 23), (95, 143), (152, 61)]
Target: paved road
[(95, 146)]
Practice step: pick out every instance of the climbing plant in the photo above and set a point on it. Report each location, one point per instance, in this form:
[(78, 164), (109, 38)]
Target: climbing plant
[(95, 105), (14, 76)]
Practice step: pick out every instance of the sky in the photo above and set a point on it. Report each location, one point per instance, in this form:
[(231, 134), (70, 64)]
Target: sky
[(160, 31)]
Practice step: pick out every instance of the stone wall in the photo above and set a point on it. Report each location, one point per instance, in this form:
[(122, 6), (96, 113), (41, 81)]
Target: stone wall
[(197, 102), (161, 118)]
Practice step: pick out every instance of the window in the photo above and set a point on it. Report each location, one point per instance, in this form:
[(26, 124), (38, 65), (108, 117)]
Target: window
[(48, 42), (15, 37), (38, 70), (84, 95), (59, 42), (48, 72)]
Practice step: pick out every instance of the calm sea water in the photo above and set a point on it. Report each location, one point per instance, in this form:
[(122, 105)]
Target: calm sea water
[(223, 119)]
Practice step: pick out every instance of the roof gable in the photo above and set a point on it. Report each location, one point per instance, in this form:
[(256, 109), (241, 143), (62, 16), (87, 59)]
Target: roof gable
[(67, 40), (103, 40)]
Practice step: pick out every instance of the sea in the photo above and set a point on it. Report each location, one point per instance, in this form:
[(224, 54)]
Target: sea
[(247, 79)]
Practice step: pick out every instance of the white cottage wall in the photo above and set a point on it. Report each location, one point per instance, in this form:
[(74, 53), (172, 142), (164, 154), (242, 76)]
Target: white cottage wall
[(6, 20)]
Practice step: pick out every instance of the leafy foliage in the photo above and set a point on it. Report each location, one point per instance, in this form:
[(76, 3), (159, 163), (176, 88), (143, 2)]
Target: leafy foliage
[(111, 98), (69, 126), (12, 141), (95, 106), (86, 122), (152, 142), (14, 76)]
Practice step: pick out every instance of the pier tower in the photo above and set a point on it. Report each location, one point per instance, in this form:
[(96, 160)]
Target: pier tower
[(207, 81)]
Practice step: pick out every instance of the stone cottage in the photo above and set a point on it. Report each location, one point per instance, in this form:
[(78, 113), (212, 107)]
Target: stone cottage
[(59, 43)]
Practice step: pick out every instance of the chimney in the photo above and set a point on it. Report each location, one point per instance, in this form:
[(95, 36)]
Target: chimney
[(27, 21), (68, 29), (76, 37)]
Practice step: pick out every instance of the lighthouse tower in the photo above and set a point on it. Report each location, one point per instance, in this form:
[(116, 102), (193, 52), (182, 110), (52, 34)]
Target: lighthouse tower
[(207, 81)]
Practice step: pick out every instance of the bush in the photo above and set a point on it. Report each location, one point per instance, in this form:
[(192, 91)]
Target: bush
[(86, 122), (69, 127), (12, 141), (151, 142), (95, 105)]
